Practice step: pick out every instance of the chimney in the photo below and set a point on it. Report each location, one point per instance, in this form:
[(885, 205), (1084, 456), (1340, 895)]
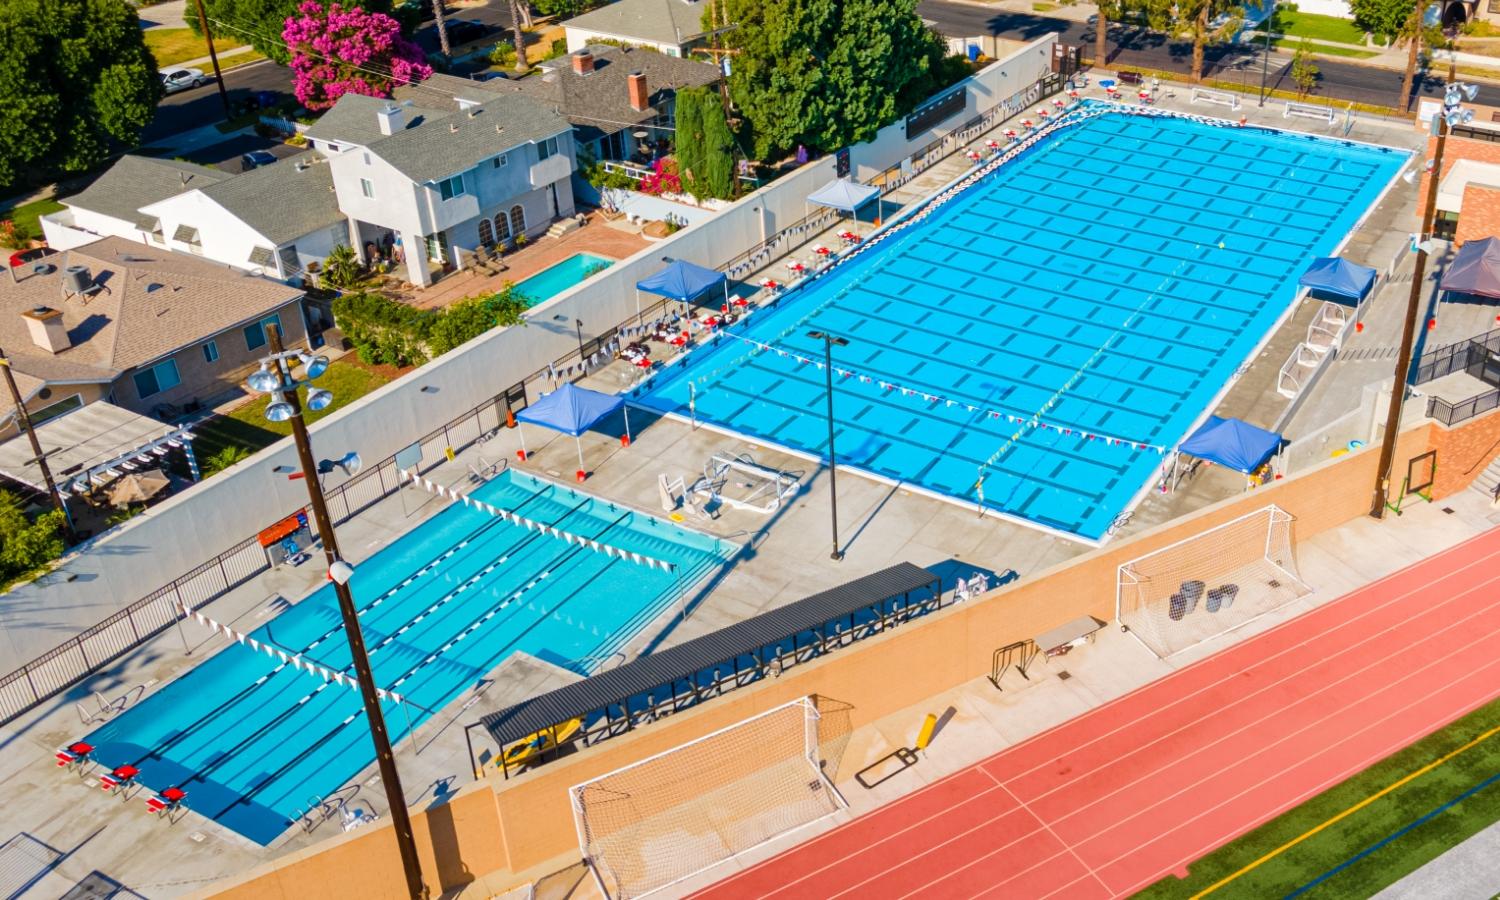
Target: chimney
[(389, 118), (46, 327), (640, 98), (583, 61)]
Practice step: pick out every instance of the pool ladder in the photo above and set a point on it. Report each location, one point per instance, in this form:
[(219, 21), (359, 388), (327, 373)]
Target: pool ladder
[(483, 470)]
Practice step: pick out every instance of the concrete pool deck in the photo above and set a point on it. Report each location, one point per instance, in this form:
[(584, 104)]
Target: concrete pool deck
[(785, 559)]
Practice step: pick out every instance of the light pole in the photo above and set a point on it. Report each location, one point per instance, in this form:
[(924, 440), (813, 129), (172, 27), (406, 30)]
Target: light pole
[(275, 378), (829, 342), (23, 422), (1452, 113), (1265, 59), (577, 324)]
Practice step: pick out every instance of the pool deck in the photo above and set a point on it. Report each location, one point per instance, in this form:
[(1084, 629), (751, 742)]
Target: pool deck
[(785, 558)]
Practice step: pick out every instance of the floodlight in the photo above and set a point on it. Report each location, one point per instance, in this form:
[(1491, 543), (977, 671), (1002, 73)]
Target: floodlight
[(1470, 90), (263, 380), (317, 399), (279, 410), (313, 366)]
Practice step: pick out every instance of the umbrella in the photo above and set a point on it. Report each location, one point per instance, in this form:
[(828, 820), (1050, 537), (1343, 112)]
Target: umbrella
[(138, 487)]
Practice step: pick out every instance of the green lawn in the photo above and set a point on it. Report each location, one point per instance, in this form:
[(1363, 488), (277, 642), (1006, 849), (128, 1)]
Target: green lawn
[(175, 45), (1290, 45), (1319, 28), (27, 214), (1420, 815), (246, 427)]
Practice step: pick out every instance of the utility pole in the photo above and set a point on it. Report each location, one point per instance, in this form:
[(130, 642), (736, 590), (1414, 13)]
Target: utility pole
[(1409, 327), (213, 58), (385, 757), (23, 421)]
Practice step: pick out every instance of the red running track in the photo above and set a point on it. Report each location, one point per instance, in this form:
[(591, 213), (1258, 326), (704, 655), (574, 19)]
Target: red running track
[(1113, 800)]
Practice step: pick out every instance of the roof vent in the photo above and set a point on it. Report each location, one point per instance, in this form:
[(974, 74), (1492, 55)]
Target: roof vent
[(453, 128), (302, 165), (499, 129), (475, 111)]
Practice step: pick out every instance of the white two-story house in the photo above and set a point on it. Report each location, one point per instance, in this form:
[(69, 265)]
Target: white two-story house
[(431, 173)]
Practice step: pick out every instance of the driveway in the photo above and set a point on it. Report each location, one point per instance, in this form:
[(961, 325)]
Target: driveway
[(163, 15), (226, 154)]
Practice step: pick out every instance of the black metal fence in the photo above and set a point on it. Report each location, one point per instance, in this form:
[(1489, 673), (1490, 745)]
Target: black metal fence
[(1455, 357), (1453, 413)]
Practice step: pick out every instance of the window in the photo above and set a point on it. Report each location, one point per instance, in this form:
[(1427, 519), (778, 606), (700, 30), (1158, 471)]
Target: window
[(517, 220), (210, 352), (546, 148), (367, 157), (255, 335), (333, 148), (502, 228), (54, 410), (486, 233), (502, 159), (160, 377), (366, 188), (451, 187)]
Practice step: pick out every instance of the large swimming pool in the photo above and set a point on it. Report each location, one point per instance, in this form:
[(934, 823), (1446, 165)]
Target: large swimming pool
[(1039, 342), (254, 741)]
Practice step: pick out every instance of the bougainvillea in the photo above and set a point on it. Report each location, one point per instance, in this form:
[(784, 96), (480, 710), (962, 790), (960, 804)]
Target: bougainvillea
[(663, 178), (337, 51)]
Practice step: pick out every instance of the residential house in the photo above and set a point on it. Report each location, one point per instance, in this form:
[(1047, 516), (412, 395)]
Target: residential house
[(618, 100), (438, 171), (147, 329), (279, 220), (673, 27)]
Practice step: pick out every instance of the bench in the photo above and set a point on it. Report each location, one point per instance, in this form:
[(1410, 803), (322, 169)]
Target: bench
[(1130, 78)]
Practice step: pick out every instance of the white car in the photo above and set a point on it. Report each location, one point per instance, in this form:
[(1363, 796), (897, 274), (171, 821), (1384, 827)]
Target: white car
[(174, 80)]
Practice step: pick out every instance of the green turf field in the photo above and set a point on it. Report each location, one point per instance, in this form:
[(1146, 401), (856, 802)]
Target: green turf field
[(1369, 831)]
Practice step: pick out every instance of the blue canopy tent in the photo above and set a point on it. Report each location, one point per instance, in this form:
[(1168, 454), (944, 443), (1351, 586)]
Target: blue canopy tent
[(1334, 276), (572, 410), (1232, 443), (681, 280)]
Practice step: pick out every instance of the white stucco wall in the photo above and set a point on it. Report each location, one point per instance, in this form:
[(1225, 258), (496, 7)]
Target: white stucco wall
[(71, 228), (578, 38)]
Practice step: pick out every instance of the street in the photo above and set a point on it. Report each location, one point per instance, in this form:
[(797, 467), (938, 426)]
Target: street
[(1137, 47), (200, 106)]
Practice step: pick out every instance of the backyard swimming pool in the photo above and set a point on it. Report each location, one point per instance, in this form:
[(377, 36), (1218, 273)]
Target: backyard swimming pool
[(254, 741), (560, 276), (1039, 342)]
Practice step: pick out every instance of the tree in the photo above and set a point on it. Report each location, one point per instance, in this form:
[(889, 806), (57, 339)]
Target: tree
[(826, 73), (440, 22), (261, 22), (718, 148), (1205, 22), (1304, 71), (1388, 17), (338, 51), (519, 16), (75, 77), (27, 545), (688, 139)]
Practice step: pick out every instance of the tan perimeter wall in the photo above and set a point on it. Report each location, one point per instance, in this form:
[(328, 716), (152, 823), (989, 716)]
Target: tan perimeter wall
[(517, 824)]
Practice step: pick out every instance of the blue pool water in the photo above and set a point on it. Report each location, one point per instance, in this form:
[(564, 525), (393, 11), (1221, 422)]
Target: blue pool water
[(1109, 281), (252, 740), (560, 276)]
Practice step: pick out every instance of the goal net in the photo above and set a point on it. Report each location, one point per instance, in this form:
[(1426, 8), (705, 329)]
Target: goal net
[(1210, 583), (655, 822)]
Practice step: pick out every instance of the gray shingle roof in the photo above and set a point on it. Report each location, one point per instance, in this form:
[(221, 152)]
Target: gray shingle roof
[(658, 21), (435, 144), (137, 181), (283, 201), (599, 103), (187, 234)]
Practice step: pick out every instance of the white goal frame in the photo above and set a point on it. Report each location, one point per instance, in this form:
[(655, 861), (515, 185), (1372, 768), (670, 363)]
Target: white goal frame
[(1127, 578), (811, 717)]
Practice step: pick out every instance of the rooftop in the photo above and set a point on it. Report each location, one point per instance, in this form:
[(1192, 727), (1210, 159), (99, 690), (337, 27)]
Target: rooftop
[(147, 303), (643, 20), (137, 181), (436, 138), (283, 201)]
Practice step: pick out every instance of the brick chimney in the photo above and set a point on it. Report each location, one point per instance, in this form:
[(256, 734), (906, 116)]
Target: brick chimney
[(47, 330), (640, 98), (583, 61)]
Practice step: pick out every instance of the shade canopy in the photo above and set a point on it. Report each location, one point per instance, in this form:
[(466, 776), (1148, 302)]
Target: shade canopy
[(1475, 269), (1339, 277), (570, 409), (1232, 443), (844, 194), (91, 446), (138, 487), (681, 280)]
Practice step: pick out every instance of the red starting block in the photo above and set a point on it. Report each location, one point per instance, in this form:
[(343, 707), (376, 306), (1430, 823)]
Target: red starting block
[(122, 777), (74, 754), (166, 801)]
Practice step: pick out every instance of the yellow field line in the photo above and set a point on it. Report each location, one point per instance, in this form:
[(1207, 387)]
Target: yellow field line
[(1407, 779)]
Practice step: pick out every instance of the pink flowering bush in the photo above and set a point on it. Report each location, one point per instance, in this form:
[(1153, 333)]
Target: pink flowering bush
[(663, 178), (337, 51)]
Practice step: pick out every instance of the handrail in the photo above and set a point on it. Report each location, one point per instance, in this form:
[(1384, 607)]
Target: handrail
[(1485, 458)]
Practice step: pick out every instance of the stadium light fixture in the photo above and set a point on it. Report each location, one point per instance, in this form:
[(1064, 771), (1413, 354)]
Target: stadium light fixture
[(829, 342)]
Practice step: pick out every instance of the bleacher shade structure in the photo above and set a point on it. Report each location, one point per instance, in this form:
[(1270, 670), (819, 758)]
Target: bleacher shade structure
[(1336, 277), (1475, 269), (1232, 443)]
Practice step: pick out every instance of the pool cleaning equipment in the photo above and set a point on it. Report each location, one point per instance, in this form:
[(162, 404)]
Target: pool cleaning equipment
[(737, 481)]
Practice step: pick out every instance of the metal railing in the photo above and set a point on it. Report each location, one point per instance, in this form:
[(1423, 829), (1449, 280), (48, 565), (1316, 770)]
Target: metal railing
[(1453, 413), (1455, 357), (748, 261)]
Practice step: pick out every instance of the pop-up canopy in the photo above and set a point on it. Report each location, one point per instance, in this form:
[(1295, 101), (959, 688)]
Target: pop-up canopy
[(1232, 443), (1475, 269), (681, 280), (572, 410), (843, 194), (1339, 277)]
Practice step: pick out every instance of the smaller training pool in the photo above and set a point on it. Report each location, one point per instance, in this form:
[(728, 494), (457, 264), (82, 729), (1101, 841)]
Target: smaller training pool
[(560, 276)]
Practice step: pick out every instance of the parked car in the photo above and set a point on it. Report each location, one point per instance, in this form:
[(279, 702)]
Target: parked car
[(174, 80), (255, 159), (423, 9), (465, 31)]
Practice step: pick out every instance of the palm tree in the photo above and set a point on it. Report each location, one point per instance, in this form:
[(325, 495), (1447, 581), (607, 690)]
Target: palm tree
[(439, 19), (518, 16), (1412, 31)]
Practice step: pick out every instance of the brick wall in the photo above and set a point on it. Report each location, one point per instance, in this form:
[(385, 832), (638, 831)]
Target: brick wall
[(1462, 453), (1481, 214), (1488, 211)]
